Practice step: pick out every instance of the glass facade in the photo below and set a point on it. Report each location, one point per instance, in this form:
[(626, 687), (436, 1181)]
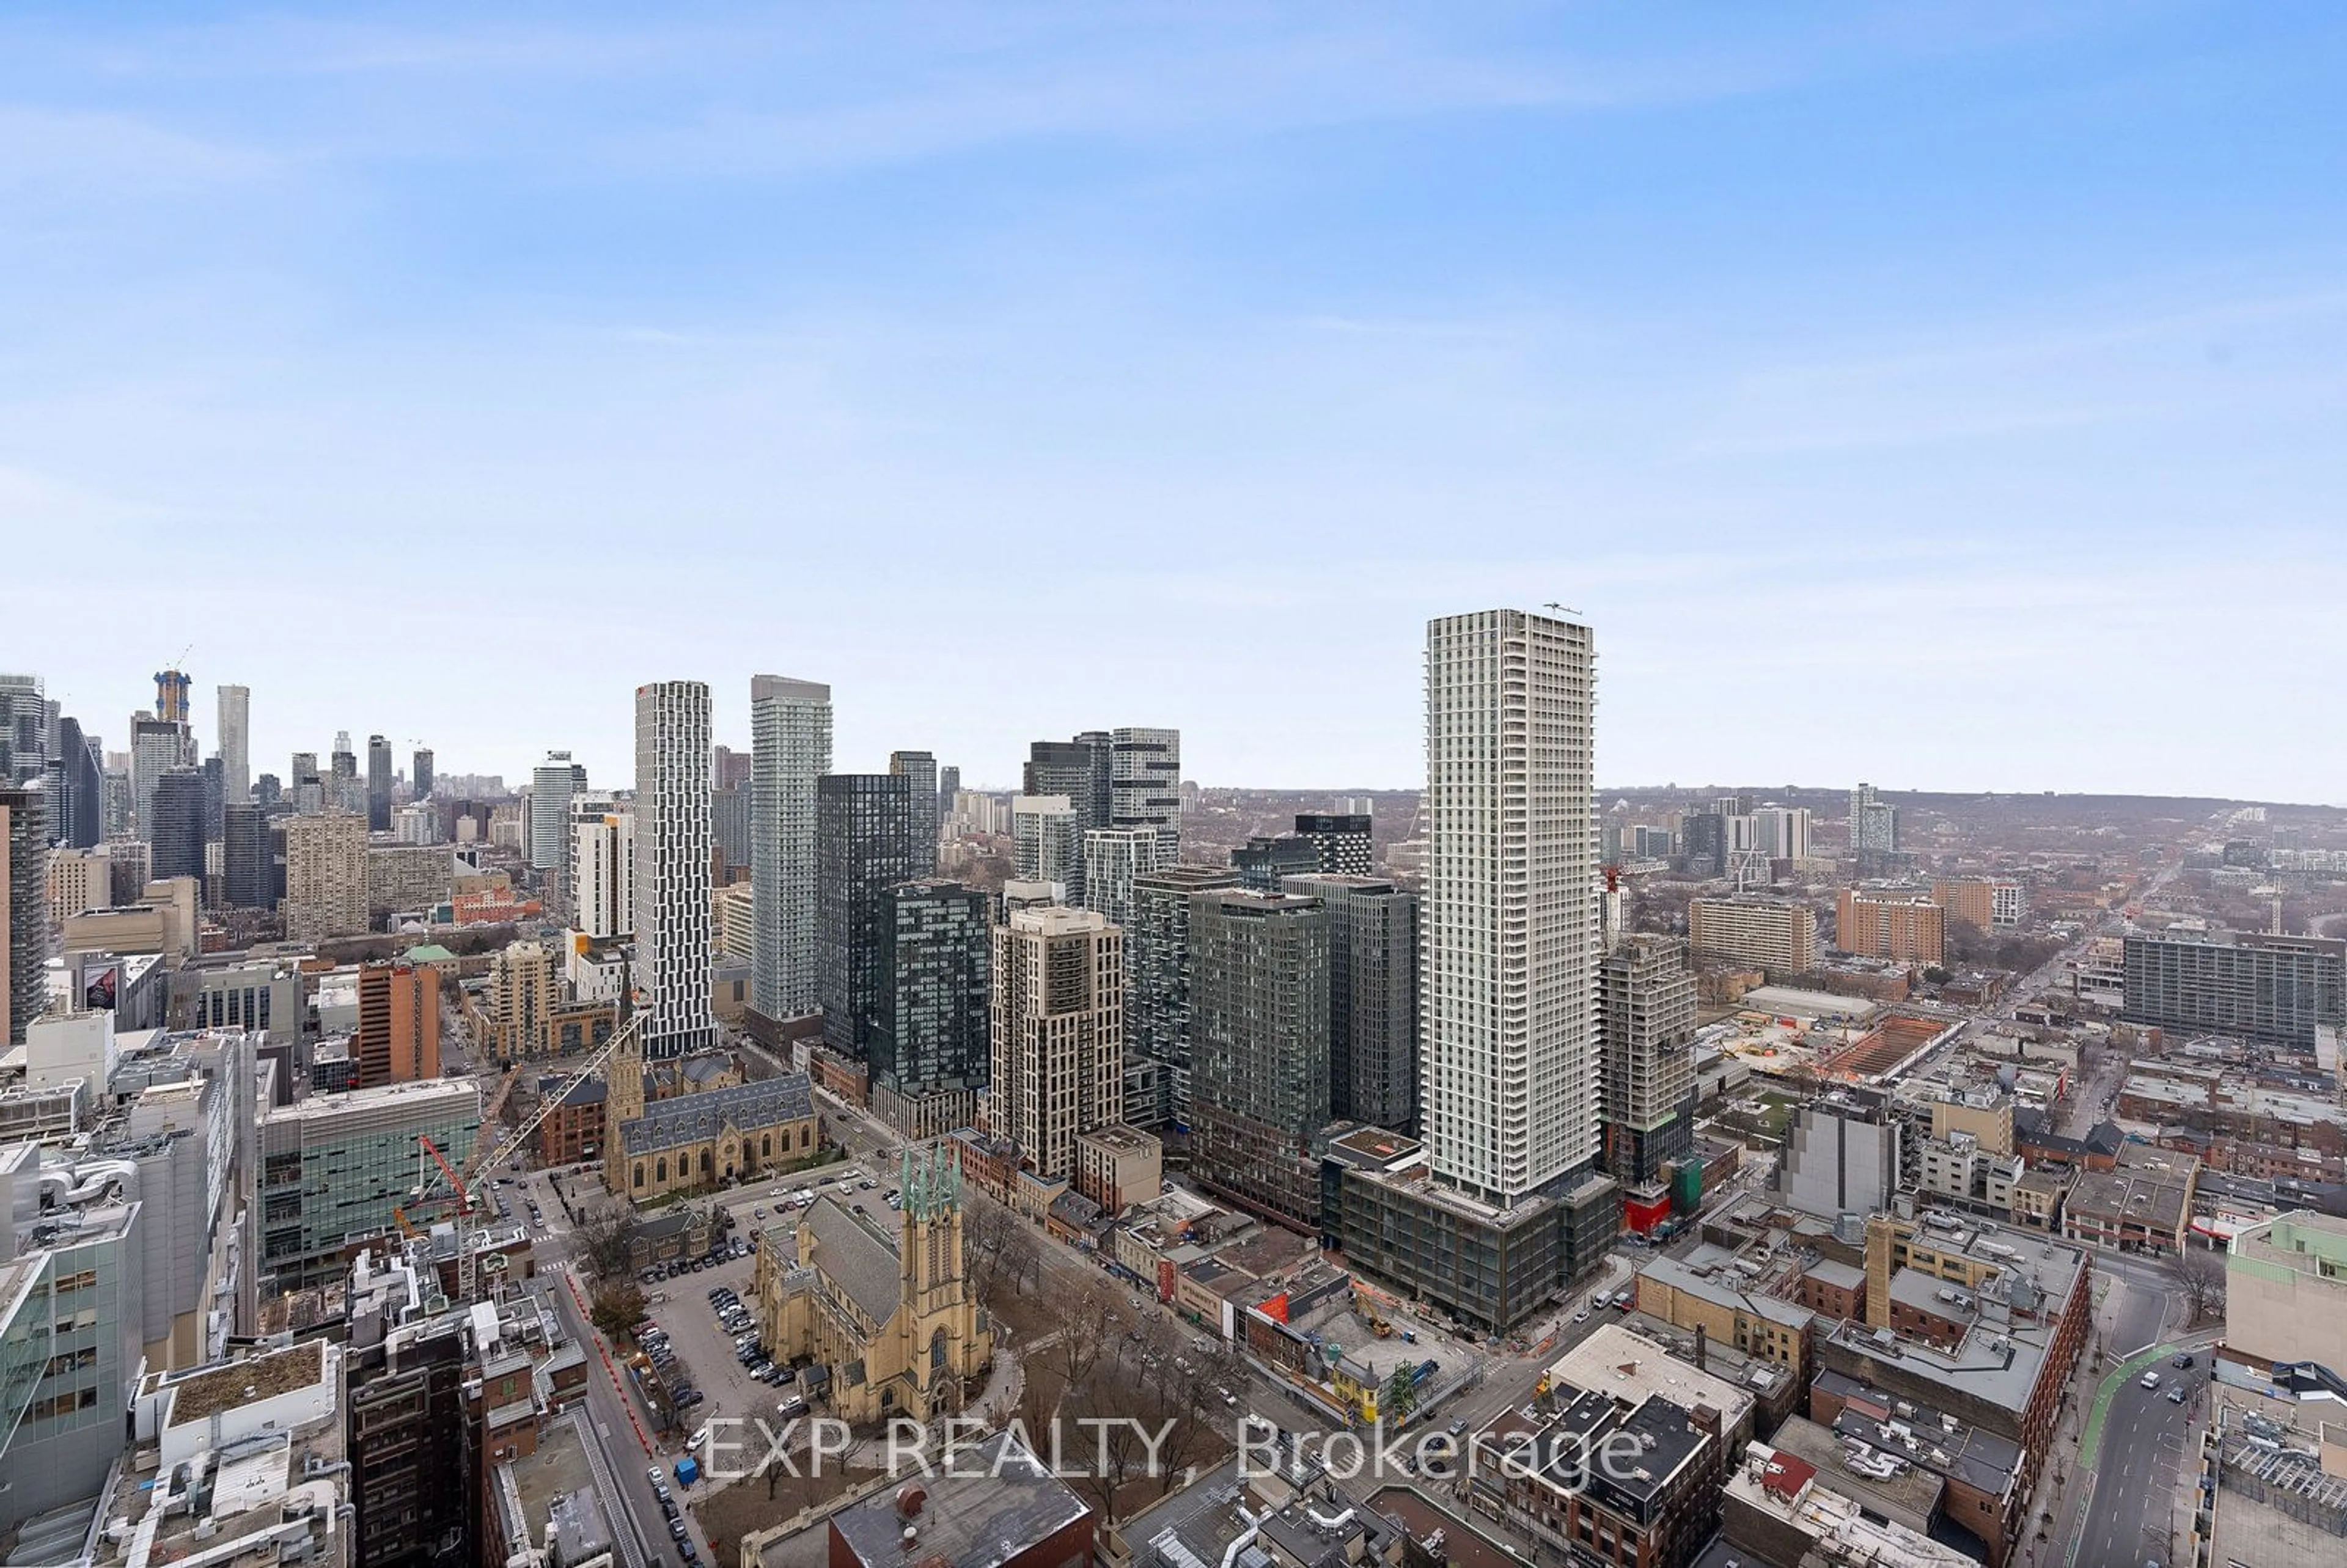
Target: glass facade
[(929, 1033), (864, 824)]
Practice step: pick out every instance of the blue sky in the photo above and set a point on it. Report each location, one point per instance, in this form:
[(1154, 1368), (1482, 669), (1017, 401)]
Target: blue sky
[(1950, 397)]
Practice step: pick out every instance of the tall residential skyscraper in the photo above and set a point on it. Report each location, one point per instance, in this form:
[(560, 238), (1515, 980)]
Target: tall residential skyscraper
[(1340, 838), (419, 772), (24, 727), (245, 855), (1259, 1034), (157, 746), (172, 692), (378, 794), (1873, 823), (235, 742), (790, 741), (604, 868), (864, 824), (948, 786), (24, 910), (1047, 843), (1782, 832), (1145, 786), (921, 767), (673, 968), (929, 1056), (1114, 857), (1646, 999), (77, 790), (730, 817), (1157, 1012), (1083, 771), (1057, 1033), (731, 769), (551, 785), (325, 876), (178, 835), (1508, 1103), (1372, 996)]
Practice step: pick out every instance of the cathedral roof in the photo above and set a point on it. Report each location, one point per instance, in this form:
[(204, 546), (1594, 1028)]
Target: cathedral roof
[(691, 1119), (857, 1257)]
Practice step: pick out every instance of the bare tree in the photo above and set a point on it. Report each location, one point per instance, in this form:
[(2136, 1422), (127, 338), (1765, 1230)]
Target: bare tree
[(2200, 1279), (606, 1241)]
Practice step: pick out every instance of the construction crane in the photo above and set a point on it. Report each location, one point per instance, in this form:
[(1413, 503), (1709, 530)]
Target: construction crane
[(465, 1186)]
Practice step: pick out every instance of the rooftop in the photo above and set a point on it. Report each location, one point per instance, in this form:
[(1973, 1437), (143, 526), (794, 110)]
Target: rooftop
[(205, 1394), (1631, 1368), (691, 1119), (1786, 1488), (996, 1502), (1888, 1483)]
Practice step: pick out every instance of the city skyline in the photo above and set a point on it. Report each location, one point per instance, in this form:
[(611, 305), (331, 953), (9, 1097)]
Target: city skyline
[(1759, 341)]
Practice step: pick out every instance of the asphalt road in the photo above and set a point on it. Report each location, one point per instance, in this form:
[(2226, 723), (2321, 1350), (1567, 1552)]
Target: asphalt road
[(2143, 1438)]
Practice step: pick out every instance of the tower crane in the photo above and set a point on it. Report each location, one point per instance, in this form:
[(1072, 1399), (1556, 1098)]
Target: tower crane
[(465, 1185)]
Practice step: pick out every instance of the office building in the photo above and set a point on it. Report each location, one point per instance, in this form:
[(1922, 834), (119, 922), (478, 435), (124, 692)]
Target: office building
[(325, 876), (790, 731), (1113, 858), (1157, 1012), (235, 742), (24, 910), (1057, 1033), (551, 785), (928, 1044), (1988, 902), (1083, 772), (1778, 935), (603, 869), (268, 789), (1264, 863), (1873, 823), (1646, 1002), (1259, 1048), (672, 969), (921, 769), (1843, 1155), (176, 828), (1145, 787), (1508, 1207), (157, 746), (1372, 997), (398, 1036), (1047, 836), (334, 1166), (419, 774), (1341, 839), (864, 827), (1782, 832), (1905, 928), (245, 857), (378, 785), (2275, 990)]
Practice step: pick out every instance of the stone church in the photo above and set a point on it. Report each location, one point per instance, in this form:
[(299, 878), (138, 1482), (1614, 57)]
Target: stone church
[(891, 1315), (700, 1137)]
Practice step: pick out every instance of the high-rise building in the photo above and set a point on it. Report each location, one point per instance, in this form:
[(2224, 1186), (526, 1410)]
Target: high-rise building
[(2272, 989), (730, 818), (77, 793), (24, 727), (1260, 1047), (268, 789), (1047, 834), (378, 785), (244, 856), (731, 769), (1114, 857), (551, 785), (1989, 903), (1897, 924), (948, 786), (1508, 1094), (1873, 823), (1157, 1012), (325, 876), (1081, 771), (1510, 1102), (235, 742), (1340, 838), (157, 746), (921, 768), (1778, 935), (176, 830), (1263, 863), (344, 789), (1782, 832), (1372, 996), (1646, 1005), (419, 774), (398, 1036), (929, 1055), (1145, 786), (673, 968), (79, 880), (790, 734), (604, 868), (864, 827), (24, 910), (336, 1167), (1057, 1033), (1703, 834)]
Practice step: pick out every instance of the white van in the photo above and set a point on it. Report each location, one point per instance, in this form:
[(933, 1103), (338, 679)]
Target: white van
[(2151, 1380)]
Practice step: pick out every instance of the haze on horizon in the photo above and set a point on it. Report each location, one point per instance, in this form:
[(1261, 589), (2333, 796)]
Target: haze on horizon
[(1943, 398)]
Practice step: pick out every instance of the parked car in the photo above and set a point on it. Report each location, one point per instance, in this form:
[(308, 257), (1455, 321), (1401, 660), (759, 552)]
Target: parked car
[(676, 1528)]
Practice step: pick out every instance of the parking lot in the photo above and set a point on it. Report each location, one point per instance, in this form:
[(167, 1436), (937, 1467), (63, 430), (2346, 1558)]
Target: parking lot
[(705, 1346)]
